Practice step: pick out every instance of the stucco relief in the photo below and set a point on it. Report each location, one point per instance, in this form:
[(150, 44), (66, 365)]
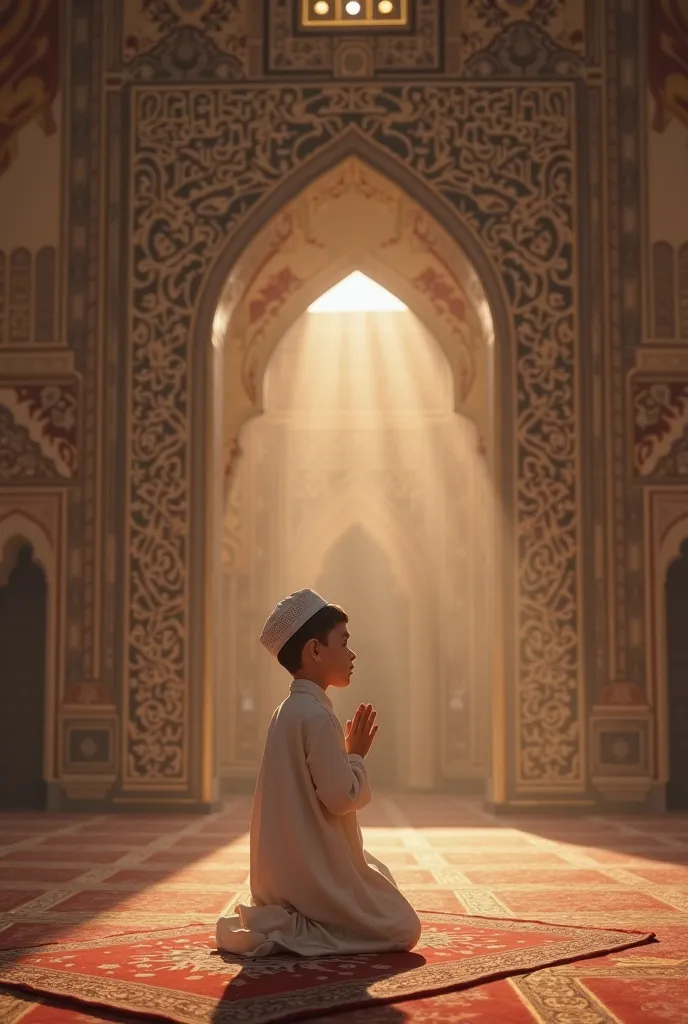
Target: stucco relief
[(28, 297), (659, 410), (527, 38), (148, 25), (564, 20), (353, 218), (38, 431)]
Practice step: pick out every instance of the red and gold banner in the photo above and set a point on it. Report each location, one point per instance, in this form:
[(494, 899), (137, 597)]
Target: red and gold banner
[(29, 69)]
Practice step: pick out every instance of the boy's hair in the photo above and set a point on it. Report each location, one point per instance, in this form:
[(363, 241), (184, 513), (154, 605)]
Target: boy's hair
[(318, 627)]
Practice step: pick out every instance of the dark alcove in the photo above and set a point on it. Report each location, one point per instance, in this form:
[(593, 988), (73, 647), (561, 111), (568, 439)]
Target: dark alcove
[(23, 620), (677, 679)]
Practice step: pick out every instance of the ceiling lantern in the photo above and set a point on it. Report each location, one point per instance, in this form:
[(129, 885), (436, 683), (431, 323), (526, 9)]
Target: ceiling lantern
[(354, 14)]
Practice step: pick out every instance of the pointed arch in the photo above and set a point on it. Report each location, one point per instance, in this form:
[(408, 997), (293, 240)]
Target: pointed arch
[(224, 286), (352, 218), (351, 143), (220, 364), (17, 528), (373, 511)]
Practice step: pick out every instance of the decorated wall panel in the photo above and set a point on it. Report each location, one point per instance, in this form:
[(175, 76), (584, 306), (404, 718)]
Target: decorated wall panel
[(657, 386), (299, 123), (50, 331), (30, 171), (620, 505), (41, 389), (28, 297), (171, 39), (660, 428), (538, 37), (86, 260)]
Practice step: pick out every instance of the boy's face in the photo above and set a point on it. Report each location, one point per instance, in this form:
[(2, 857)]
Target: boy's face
[(336, 657)]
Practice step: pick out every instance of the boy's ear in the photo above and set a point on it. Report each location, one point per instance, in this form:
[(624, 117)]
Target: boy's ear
[(312, 649)]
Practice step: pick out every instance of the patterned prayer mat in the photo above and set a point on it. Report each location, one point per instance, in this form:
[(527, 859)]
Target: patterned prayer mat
[(81, 878), (177, 975)]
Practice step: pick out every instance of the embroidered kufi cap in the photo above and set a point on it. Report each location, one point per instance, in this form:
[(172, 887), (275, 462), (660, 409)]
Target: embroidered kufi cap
[(287, 617)]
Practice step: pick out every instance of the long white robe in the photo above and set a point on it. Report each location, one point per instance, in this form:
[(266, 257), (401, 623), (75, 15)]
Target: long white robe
[(313, 891)]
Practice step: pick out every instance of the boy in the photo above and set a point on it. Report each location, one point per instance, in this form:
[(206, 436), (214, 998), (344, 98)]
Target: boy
[(313, 891)]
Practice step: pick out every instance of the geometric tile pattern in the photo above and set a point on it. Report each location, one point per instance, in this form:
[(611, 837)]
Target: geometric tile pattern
[(87, 877)]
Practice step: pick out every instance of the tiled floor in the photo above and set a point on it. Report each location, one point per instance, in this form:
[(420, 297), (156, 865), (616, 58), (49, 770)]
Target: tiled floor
[(93, 876)]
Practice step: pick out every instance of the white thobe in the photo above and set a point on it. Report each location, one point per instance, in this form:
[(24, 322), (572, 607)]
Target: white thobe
[(313, 890)]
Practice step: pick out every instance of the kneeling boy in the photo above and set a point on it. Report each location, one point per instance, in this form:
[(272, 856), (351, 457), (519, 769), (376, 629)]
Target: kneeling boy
[(313, 890)]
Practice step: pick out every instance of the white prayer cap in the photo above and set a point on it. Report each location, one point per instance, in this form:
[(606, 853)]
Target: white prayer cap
[(288, 616)]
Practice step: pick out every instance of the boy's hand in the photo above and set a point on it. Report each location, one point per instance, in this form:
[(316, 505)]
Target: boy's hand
[(360, 732)]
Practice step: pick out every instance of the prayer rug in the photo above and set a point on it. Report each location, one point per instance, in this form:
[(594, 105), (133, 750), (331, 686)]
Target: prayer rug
[(177, 975)]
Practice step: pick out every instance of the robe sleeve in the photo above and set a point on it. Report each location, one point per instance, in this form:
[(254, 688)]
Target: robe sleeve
[(340, 780)]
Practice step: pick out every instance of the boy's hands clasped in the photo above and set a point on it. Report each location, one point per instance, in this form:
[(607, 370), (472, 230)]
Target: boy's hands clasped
[(360, 731)]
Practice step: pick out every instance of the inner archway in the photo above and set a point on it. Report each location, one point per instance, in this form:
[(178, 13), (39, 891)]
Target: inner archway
[(359, 447), (360, 574), (351, 218)]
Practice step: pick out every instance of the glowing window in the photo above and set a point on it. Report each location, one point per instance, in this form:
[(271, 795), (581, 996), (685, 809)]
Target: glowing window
[(357, 294), (353, 14)]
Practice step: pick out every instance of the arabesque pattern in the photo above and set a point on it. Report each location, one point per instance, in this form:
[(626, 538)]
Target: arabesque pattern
[(502, 159)]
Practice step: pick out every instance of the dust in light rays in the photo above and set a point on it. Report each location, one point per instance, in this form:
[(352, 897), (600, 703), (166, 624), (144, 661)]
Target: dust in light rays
[(362, 482)]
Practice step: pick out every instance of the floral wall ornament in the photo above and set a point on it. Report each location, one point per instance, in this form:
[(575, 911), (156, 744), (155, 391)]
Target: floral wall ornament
[(660, 426), (21, 458), (167, 35), (39, 430)]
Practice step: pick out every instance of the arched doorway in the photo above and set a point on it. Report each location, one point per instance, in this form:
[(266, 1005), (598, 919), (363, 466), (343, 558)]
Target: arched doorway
[(23, 636), (676, 597), (358, 440), (360, 574), (350, 218)]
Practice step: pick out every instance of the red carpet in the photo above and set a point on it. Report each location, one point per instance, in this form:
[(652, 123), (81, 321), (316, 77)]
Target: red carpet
[(82, 879), (179, 976)]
